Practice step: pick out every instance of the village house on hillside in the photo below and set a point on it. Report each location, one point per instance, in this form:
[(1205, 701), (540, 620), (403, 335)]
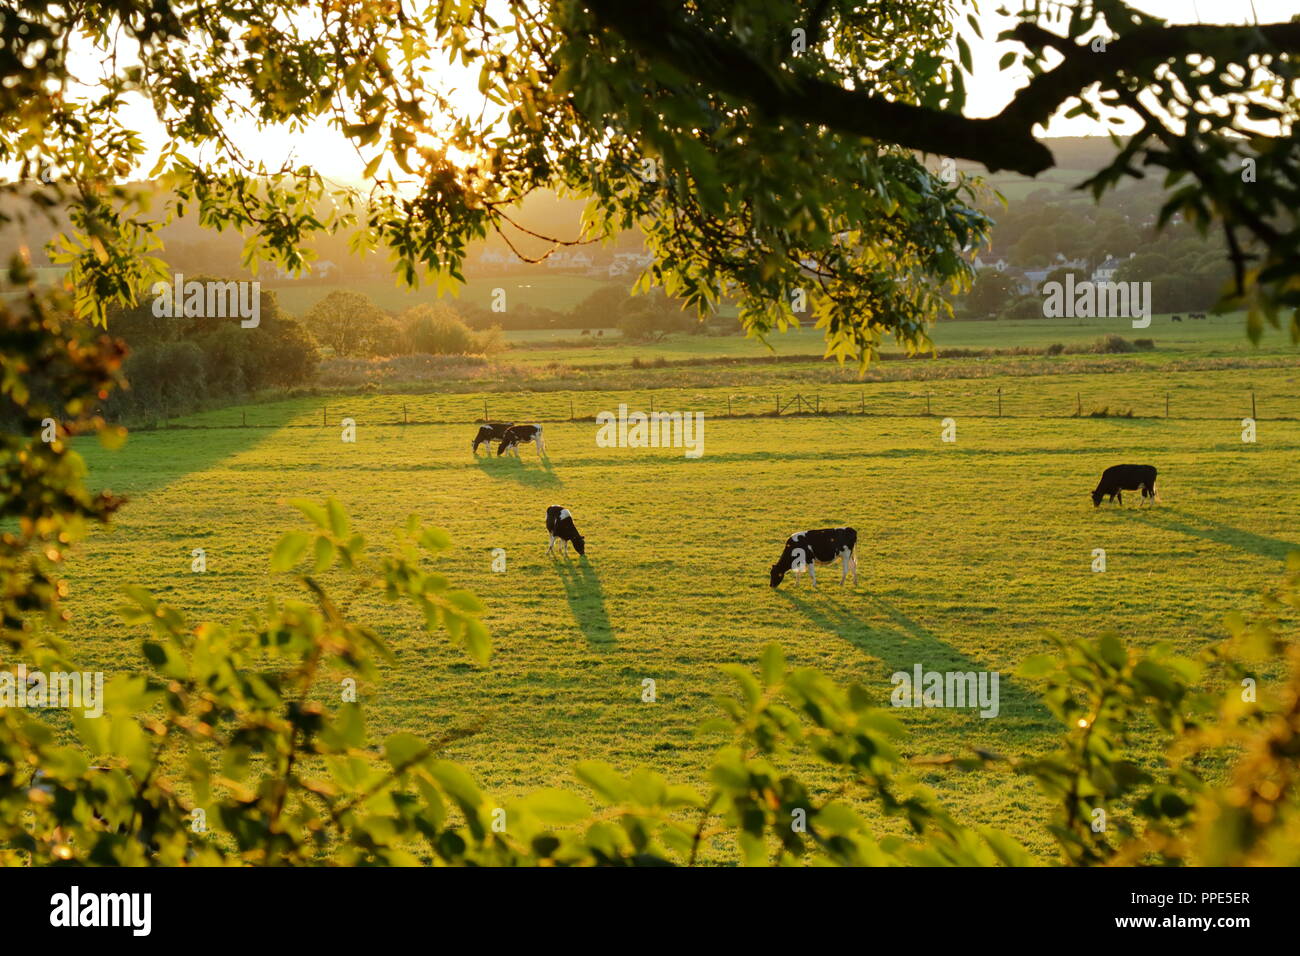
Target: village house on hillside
[(1105, 271)]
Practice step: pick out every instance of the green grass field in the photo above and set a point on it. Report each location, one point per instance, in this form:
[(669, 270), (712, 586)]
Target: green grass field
[(1212, 336), (967, 552)]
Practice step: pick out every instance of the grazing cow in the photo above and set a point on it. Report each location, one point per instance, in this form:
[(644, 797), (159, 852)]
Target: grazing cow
[(807, 549), (487, 434), (560, 525), (1178, 318), (1120, 478), (517, 435), (1197, 315)]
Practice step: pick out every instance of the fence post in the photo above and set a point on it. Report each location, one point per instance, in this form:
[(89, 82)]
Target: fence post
[(1078, 405), (405, 420), (1252, 403), (485, 412), (999, 401)]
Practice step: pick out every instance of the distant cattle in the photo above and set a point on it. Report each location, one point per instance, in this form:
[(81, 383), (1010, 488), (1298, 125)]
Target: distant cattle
[(1197, 315), (559, 523), (1120, 478), (517, 435), (807, 549), (487, 434), (1176, 318)]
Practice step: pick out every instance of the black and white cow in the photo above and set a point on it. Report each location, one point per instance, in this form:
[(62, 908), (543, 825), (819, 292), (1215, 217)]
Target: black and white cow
[(807, 549), (1117, 479), (487, 434), (517, 435), (559, 523)]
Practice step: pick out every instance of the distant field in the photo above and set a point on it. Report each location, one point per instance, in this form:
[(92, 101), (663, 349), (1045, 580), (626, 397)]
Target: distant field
[(967, 551), (544, 337), (560, 292), (1214, 335)]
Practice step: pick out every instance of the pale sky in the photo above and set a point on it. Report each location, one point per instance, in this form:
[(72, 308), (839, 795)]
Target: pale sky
[(988, 90)]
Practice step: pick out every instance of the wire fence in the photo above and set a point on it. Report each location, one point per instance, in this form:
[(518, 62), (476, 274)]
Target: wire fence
[(967, 400)]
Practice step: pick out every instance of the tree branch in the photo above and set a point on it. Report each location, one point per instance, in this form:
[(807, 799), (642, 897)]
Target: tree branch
[(1005, 141)]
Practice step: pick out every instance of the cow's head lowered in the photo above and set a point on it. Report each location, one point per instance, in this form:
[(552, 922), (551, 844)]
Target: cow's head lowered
[(790, 558), (580, 545), (1097, 495)]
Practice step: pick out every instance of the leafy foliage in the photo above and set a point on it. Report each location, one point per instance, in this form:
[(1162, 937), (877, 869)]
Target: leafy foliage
[(759, 168)]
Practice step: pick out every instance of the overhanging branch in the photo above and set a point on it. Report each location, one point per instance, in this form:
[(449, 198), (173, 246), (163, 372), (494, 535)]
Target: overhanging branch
[(1005, 141)]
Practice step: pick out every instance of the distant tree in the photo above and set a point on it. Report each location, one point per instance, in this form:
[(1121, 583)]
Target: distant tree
[(437, 329), (385, 337), (989, 294), (602, 308), (346, 322), (1144, 266), (1024, 307), (655, 315), (1060, 275), (176, 362), (1037, 247)]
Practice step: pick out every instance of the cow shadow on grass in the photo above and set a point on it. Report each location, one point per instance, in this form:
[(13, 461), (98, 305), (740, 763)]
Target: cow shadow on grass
[(510, 468), (904, 643), (1195, 526), (586, 600)]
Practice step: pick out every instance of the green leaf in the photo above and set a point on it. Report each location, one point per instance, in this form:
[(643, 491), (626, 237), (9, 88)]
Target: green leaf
[(402, 750), (477, 642), (553, 805), (603, 779), (338, 518), (324, 553), (289, 549), (772, 665), (314, 512), (465, 601), (1040, 665)]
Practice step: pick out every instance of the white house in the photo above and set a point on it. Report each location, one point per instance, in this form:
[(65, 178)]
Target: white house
[(1105, 272), (638, 260)]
